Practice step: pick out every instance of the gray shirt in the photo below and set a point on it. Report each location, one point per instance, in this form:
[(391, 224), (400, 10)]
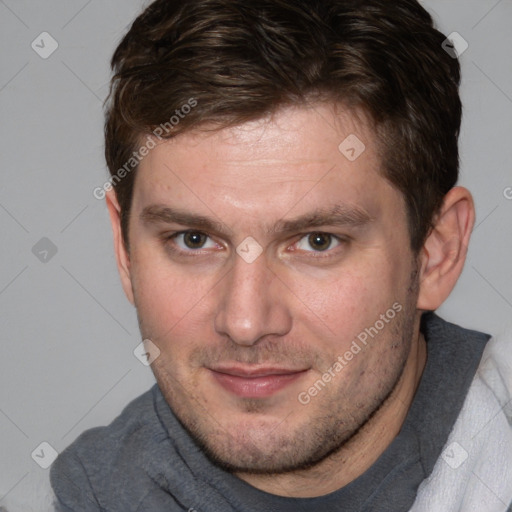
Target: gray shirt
[(145, 460)]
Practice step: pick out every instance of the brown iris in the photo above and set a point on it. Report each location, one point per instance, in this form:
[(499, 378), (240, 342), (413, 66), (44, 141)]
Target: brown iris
[(194, 240), (319, 241)]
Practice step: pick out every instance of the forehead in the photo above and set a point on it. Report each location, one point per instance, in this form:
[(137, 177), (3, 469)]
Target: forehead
[(297, 159), (292, 133)]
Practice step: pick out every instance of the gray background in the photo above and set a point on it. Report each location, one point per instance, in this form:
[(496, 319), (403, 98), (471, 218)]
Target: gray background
[(67, 331)]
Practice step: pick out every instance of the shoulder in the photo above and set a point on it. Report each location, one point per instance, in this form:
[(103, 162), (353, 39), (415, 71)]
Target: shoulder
[(495, 369), (475, 467), (103, 443), (106, 458)]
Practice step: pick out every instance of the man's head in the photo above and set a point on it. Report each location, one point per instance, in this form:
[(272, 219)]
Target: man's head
[(291, 216)]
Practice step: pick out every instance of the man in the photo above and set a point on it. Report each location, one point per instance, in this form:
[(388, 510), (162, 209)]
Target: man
[(286, 222)]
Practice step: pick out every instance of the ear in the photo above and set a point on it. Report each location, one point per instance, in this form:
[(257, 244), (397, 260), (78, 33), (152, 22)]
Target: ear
[(444, 252), (122, 255)]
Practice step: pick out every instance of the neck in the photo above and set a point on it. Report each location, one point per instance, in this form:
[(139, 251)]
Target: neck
[(362, 450)]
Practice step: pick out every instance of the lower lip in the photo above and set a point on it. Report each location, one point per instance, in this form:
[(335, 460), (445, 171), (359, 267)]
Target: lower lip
[(255, 387)]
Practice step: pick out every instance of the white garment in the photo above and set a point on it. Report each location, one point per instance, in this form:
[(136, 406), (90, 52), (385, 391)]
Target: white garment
[(33, 494), (474, 473)]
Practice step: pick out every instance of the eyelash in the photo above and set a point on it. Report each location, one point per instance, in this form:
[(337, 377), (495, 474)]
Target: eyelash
[(197, 252)]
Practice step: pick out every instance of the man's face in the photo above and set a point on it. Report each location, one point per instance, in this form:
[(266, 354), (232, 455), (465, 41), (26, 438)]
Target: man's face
[(244, 336)]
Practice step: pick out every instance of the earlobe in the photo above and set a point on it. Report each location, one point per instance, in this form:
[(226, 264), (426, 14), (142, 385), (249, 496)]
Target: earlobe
[(122, 256), (444, 251)]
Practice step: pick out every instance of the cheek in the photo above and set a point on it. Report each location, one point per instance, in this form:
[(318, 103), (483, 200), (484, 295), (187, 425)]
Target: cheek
[(341, 303), (167, 301)]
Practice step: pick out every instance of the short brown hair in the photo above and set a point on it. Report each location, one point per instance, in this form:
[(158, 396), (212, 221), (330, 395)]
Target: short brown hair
[(240, 60)]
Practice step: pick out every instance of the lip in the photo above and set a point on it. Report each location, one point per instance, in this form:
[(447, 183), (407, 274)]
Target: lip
[(255, 382)]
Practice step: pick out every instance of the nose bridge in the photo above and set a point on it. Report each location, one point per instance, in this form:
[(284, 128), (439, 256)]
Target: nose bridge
[(251, 306)]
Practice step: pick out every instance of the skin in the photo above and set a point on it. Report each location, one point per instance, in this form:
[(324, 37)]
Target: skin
[(299, 305)]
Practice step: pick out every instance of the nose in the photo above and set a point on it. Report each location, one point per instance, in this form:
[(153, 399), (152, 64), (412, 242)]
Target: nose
[(252, 303)]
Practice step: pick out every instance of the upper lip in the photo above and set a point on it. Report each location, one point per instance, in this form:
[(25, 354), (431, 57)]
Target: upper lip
[(255, 371)]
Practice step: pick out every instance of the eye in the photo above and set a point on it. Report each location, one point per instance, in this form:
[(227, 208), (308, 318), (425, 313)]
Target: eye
[(191, 241), (320, 242)]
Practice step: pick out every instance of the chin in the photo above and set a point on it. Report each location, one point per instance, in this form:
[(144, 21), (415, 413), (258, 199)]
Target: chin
[(266, 445)]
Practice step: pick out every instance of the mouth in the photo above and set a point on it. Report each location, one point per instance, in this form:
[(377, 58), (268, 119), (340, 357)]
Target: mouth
[(255, 382)]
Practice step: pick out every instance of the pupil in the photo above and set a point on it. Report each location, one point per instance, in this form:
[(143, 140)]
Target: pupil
[(319, 241)]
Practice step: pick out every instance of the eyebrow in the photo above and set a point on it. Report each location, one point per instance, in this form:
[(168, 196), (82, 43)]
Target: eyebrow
[(337, 215)]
